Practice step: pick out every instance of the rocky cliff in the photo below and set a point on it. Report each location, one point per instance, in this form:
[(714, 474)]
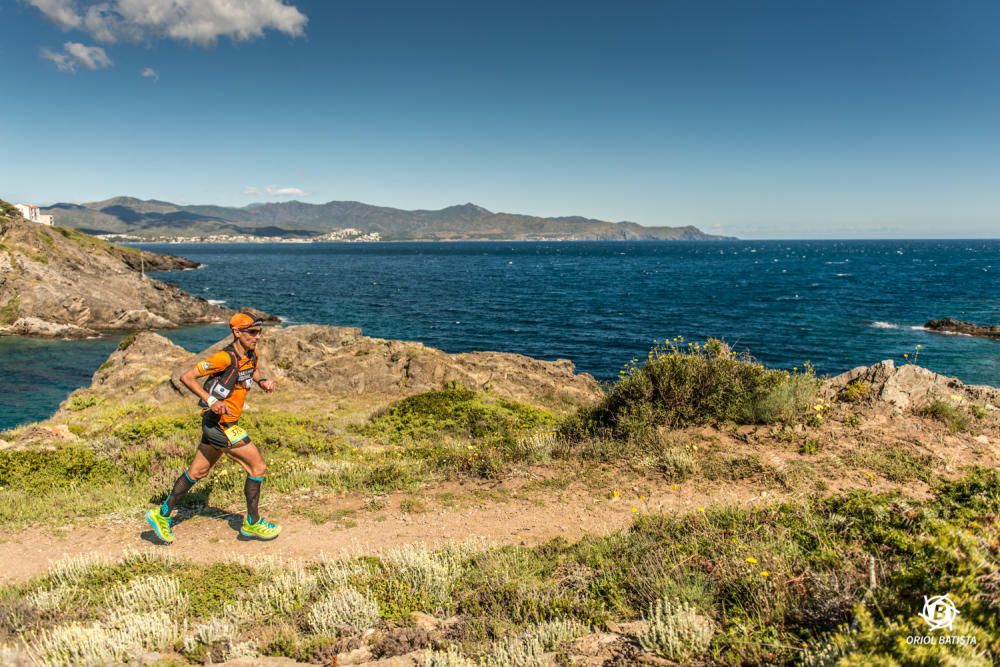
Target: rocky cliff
[(60, 282)]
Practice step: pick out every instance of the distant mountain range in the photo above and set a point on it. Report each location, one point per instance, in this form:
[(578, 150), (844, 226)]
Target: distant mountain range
[(153, 219)]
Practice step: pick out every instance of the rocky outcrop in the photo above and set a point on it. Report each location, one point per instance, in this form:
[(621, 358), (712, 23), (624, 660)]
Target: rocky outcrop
[(33, 326), (52, 277), (908, 387), (948, 325), (313, 360)]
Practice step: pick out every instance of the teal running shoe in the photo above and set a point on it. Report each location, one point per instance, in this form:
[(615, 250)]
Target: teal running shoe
[(162, 525)]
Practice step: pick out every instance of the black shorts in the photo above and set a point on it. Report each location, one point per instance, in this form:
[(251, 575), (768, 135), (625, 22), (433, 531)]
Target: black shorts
[(212, 432)]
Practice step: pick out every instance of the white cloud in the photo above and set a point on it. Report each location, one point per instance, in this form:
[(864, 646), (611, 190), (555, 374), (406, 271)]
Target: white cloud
[(200, 22), (78, 55), (251, 191), (285, 192), (61, 12), (150, 73)]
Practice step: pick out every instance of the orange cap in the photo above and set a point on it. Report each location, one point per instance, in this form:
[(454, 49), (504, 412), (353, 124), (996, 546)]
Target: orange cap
[(243, 321)]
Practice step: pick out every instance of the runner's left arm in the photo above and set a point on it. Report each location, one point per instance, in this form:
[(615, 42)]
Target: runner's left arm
[(266, 384)]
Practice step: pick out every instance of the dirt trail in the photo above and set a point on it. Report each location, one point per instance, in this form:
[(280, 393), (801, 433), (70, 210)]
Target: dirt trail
[(502, 518)]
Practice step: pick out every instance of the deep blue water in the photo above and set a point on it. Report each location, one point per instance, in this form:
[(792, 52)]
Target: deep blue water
[(838, 304)]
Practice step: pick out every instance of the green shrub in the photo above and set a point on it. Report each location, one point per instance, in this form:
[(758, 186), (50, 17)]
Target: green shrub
[(676, 464), (809, 447), (948, 414), (69, 465), (82, 401), (855, 391), (455, 411), (158, 428), (697, 384)]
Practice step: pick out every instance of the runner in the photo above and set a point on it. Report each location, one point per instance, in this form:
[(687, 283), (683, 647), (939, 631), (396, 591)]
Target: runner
[(233, 371)]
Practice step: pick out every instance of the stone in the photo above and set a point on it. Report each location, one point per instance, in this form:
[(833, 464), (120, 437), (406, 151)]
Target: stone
[(909, 387), (424, 622), (948, 325), (630, 628), (34, 326), (358, 656)]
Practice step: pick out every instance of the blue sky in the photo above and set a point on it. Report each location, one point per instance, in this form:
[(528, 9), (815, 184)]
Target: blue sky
[(799, 119)]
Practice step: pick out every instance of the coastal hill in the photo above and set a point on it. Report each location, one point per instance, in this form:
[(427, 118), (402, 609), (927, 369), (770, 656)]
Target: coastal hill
[(60, 282), (492, 509), (161, 220)]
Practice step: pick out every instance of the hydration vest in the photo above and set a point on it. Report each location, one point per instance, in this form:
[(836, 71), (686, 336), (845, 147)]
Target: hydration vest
[(221, 384)]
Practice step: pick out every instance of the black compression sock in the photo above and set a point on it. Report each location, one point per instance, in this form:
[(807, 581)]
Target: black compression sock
[(252, 491), (181, 487)]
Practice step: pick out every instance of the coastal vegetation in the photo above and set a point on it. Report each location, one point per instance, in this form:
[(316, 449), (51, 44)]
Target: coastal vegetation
[(822, 581), (814, 576)]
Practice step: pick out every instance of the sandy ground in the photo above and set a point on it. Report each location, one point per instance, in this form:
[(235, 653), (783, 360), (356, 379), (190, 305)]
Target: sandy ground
[(510, 513)]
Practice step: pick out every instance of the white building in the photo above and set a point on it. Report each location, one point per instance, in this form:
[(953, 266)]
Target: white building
[(30, 212)]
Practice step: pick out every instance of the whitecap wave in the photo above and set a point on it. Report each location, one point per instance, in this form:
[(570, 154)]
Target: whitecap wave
[(879, 324), (217, 302)]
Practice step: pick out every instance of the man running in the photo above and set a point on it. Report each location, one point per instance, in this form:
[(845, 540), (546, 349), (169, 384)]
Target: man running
[(233, 371)]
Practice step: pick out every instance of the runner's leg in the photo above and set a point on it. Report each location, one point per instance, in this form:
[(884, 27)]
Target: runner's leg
[(249, 457), (204, 459)]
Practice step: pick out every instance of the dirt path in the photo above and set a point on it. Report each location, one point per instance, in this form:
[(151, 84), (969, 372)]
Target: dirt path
[(512, 513)]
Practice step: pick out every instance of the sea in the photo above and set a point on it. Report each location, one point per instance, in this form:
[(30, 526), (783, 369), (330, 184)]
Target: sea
[(834, 304)]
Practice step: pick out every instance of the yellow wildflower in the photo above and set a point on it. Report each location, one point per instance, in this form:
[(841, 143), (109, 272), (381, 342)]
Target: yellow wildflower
[(765, 573), (634, 510), (701, 509), (751, 560)]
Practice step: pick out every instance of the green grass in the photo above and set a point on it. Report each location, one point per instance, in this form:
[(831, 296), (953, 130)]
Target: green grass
[(952, 416), (895, 463)]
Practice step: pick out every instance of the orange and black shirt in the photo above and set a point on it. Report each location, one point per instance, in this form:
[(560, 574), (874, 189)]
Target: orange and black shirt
[(219, 362)]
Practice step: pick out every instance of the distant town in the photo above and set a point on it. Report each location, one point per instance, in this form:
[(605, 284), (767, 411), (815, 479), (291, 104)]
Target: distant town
[(349, 235)]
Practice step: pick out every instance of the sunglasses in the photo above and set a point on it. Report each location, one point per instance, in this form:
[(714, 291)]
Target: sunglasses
[(252, 332)]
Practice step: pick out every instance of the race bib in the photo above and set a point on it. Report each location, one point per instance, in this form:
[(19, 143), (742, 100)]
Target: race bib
[(234, 434)]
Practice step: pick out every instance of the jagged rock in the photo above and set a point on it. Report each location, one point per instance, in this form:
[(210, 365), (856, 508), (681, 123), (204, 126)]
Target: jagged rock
[(341, 360), (630, 628), (34, 326), (140, 319), (424, 622), (909, 386), (141, 363), (948, 325), (359, 656)]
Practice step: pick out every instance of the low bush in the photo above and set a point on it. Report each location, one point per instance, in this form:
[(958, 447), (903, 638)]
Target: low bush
[(455, 411), (697, 384)]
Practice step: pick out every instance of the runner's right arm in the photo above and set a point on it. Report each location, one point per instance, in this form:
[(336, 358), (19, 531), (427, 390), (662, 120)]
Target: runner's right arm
[(190, 380)]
